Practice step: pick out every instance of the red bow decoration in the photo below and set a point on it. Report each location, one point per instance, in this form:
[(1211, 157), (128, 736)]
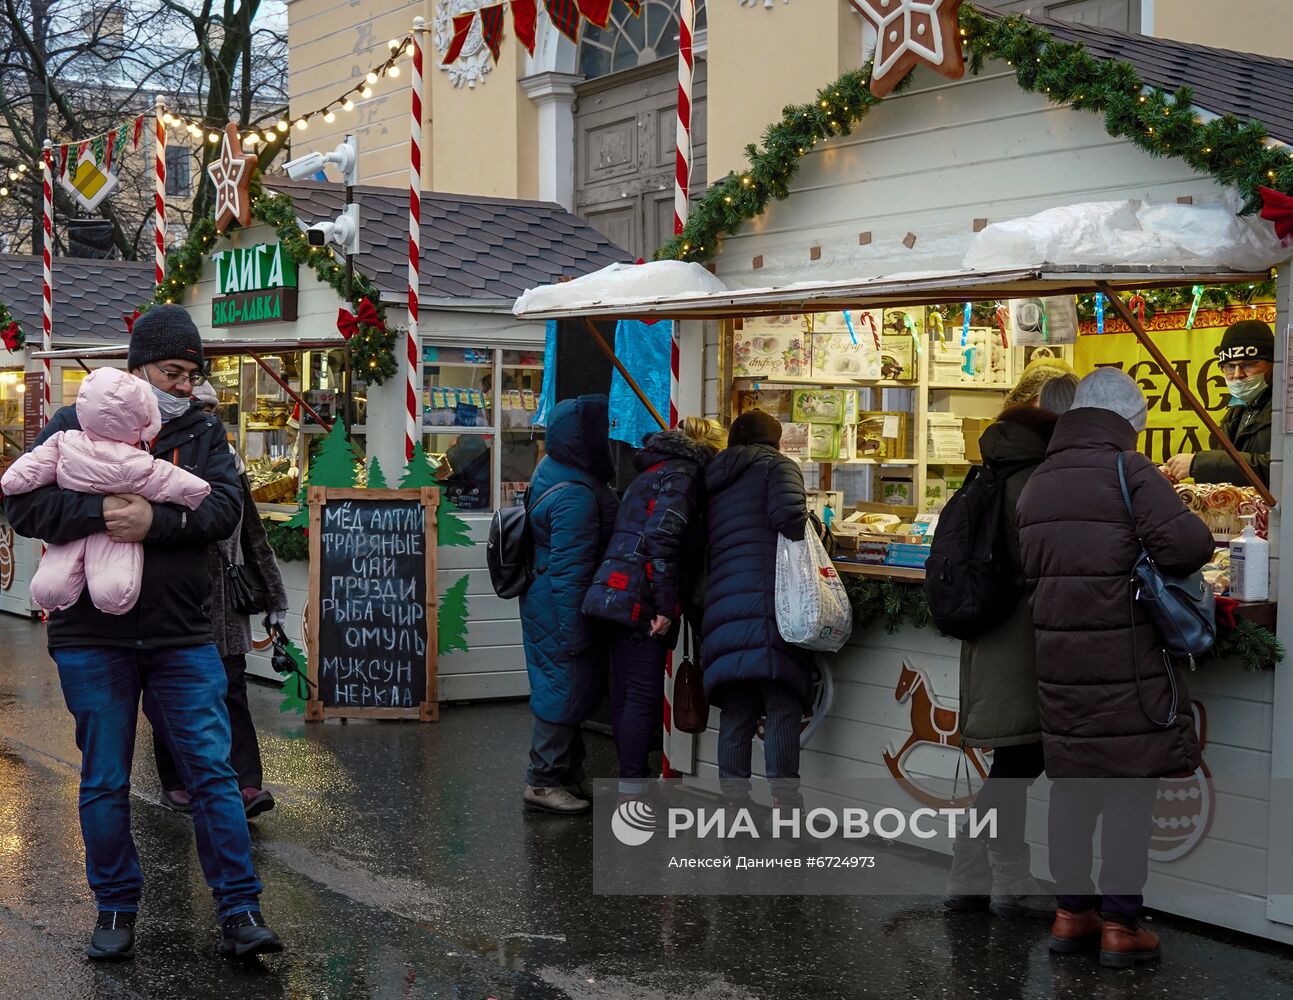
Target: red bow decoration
[(12, 336), (1226, 613), (1277, 209), (130, 321), (348, 323)]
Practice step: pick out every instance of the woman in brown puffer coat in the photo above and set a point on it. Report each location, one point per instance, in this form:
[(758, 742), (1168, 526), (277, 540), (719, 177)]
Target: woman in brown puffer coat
[(1112, 705)]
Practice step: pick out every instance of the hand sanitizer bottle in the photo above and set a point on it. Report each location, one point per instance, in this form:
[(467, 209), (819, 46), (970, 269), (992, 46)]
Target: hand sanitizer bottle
[(1250, 564)]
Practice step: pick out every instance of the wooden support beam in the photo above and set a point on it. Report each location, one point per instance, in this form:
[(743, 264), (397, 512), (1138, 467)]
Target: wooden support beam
[(600, 341)]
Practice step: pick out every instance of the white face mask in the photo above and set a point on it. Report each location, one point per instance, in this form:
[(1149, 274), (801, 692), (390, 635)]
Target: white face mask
[(171, 406), (1244, 390)]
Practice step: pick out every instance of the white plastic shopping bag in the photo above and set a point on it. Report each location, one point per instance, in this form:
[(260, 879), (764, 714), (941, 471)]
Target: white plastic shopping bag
[(813, 608)]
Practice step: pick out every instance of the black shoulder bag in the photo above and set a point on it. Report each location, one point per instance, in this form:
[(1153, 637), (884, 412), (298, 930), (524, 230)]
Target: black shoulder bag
[(244, 585)]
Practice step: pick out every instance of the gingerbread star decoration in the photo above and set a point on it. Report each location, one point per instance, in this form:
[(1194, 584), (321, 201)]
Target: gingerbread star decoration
[(231, 175), (911, 32)]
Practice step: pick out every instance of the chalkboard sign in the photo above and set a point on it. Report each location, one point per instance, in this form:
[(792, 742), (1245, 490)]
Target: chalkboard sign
[(373, 604)]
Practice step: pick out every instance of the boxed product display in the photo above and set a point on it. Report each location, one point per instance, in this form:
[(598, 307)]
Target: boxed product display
[(946, 438), (823, 442), (909, 320), (822, 406), (840, 356), (897, 357), (794, 440), (973, 428), (775, 402), (882, 434), (771, 346), (896, 488), (906, 555), (819, 500), (848, 443), (939, 488)]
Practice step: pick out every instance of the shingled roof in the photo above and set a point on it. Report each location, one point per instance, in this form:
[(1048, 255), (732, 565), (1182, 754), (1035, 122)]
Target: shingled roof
[(475, 251), (1225, 82), (90, 297)]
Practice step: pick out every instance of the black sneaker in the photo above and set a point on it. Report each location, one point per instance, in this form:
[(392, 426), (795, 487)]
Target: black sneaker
[(113, 939), (246, 934)]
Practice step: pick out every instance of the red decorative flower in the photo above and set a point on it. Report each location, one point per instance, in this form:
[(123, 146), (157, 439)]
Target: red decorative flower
[(13, 337)]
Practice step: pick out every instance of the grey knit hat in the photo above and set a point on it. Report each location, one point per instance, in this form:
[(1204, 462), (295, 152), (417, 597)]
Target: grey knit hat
[(1113, 390), (1057, 394), (206, 395), (164, 333)]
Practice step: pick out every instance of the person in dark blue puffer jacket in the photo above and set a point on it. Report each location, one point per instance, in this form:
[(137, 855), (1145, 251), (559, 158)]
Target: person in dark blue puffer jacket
[(565, 654), (655, 552), (755, 493)]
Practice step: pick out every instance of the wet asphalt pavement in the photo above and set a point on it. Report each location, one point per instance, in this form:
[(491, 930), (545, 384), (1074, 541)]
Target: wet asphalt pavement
[(400, 863)]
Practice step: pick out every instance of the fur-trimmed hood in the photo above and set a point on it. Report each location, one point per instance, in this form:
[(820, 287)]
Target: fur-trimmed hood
[(664, 445)]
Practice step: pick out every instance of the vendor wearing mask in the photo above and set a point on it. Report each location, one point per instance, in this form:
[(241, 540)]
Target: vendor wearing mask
[(1246, 357)]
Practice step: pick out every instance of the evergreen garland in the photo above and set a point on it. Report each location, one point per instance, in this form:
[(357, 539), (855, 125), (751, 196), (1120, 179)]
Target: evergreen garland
[(372, 349), (18, 339), (1231, 151), (1216, 297), (894, 603)]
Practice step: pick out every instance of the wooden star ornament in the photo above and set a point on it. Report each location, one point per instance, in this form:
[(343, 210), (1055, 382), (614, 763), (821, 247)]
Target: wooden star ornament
[(911, 33), (231, 175)]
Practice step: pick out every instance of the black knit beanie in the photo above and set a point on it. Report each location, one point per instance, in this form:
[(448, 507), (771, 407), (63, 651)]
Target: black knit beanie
[(1247, 340), (164, 333), (755, 427)]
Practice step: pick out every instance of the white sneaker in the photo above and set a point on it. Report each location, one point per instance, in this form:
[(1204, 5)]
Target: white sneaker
[(555, 800)]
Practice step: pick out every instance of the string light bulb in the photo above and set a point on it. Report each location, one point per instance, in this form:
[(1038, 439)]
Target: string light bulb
[(329, 117), (366, 93), (282, 125), (213, 138), (22, 168), (347, 105), (4, 192), (302, 124), (269, 136), (393, 44), (372, 77), (252, 138), (393, 71)]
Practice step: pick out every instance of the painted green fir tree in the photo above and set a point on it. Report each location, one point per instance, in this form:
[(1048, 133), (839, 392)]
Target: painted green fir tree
[(296, 685), (376, 477), (451, 530), (333, 466), (453, 618)]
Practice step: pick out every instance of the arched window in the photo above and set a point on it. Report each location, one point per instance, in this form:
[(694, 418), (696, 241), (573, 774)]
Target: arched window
[(629, 41)]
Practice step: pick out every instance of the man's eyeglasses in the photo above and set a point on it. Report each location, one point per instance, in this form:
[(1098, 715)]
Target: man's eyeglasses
[(173, 376), (1239, 367)]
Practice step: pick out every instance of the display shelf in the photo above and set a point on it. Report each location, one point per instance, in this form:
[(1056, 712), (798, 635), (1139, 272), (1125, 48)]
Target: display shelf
[(880, 571), (872, 461), (970, 386), (855, 383)]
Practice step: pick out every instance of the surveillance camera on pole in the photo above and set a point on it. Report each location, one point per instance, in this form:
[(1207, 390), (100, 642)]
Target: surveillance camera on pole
[(343, 231), (345, 157)]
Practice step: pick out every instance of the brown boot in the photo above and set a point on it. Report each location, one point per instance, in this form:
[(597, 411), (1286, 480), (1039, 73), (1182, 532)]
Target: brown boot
[(1121, 946), (1075, 932)]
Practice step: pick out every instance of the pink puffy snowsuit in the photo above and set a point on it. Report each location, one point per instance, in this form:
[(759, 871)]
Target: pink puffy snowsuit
[(116, 412)]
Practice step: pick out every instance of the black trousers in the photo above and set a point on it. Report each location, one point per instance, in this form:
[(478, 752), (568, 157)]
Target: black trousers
[(1013, 770), (1125, 807), (245, 755)]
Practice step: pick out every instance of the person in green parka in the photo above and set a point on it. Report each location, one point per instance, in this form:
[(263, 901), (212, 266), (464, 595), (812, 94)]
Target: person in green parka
[(1246, 357)]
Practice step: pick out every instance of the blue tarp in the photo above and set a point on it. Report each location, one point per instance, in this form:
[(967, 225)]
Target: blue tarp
[(644, 350), (548, 394)]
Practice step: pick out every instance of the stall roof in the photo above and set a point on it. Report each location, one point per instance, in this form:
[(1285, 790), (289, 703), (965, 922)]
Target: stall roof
[(891, 290), (477, 253), (90, 296), (212, 348), (1242, 84)]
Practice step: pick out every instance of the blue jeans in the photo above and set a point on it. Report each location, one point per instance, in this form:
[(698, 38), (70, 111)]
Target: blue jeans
[(743, 704), (183, 691), (637, 704), (557, 755)]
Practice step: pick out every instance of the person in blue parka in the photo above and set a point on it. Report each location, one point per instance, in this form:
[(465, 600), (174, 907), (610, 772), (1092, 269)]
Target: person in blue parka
[(654, 556), (565, 653), (755, 493)]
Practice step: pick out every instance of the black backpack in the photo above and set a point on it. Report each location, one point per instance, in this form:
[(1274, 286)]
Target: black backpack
[(509, 553), (970, 581)]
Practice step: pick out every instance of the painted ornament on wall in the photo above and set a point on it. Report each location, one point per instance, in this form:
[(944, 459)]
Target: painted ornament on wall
[(231, 175), (911, 33), (1184, 805), (460, 37), (6, 557)]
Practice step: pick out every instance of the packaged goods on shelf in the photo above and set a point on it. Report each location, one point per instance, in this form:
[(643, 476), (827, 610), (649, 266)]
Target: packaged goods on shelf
[(946, 438), (770, 347), (896, 488), (973, 428), (794, 440), (1223, 506), (837, 356), (939, 489), (823, 442), (818, 500), (906, 555), (897, 357), (849, 444), (774, 402), (882, 434), (823, 406)]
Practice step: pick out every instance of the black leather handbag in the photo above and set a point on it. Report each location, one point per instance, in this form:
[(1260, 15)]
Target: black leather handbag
[(690, 707), (245, 589), (1182, 609)]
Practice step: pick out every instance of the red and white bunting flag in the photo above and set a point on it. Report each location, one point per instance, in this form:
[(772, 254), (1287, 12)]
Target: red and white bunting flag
[(596, 12), (461, 28), (139, 131), (525, 18)]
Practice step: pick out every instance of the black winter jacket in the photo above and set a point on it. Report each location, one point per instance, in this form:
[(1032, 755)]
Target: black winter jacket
[(755, 493), (652, 553), (1079, 543), (1249, 430), (174, 601)]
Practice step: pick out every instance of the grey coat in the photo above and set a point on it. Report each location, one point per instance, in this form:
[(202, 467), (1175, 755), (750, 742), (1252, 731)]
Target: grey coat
[(998, 669), (249, 544)]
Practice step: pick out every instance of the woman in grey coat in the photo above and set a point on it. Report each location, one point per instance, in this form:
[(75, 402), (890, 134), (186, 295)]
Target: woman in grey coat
[(248, 545)]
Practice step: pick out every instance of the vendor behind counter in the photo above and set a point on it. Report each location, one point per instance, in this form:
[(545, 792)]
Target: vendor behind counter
[(1246, 357)]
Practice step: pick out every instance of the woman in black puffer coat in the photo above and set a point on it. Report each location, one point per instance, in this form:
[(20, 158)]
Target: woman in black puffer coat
[(639, 588), (755, 494)]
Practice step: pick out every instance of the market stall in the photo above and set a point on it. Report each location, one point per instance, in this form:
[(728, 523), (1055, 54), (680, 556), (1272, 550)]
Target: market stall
[(885, 381)]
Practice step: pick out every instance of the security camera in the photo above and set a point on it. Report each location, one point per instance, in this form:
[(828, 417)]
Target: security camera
[(343, 231), (304, 167), (345, 157)]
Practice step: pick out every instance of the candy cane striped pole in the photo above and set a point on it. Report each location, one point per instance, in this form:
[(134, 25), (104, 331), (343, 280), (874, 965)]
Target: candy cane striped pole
[(413, 416), (159, 194), (47, 262), (682, 173)]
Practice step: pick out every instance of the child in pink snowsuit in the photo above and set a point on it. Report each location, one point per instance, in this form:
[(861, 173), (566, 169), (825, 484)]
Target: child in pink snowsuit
[(116, 412)]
